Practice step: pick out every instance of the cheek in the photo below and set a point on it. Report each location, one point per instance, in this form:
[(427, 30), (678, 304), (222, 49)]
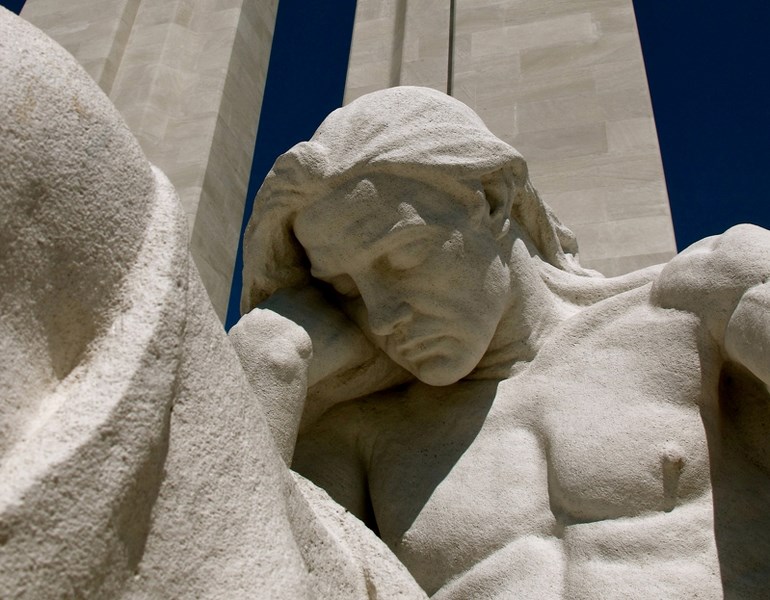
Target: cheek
[(470, 294), (486, 294), (497, 280), (356, 310), (487, 290)]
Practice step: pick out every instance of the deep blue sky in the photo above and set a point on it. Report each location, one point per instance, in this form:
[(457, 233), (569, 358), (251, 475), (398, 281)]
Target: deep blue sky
[(13, 5), (305, 82), (708, 65)]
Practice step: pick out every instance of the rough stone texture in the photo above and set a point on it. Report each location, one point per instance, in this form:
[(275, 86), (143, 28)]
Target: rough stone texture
[(562, 81), (553, 433), (135, 458), (518, 426), (188, 77)]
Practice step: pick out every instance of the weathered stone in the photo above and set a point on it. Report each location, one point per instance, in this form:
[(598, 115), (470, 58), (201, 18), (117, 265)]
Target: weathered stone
[(563, 434), (136, 461), (420, 340)]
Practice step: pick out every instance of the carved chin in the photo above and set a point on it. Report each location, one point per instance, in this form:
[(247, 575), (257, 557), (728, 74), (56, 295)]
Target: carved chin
[(442, 370), (438, 379)]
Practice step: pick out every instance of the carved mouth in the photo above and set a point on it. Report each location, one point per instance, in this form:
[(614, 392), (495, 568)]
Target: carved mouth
[(415, 349)]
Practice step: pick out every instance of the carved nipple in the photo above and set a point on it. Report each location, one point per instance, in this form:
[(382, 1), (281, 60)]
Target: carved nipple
[(672, 462)]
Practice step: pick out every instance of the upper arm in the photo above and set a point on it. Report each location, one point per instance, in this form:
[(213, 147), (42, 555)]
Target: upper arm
[(747, 336), (329, 455), (724, 280)]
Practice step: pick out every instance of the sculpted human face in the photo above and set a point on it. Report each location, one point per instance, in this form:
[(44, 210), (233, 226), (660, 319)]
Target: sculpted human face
[(421, 273)]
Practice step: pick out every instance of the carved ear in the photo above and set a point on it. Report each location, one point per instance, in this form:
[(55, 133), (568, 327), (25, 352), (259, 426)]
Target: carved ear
[(498, 191)]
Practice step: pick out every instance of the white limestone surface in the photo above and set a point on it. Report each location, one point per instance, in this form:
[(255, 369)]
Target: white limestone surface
[(561, 81), (420, 341), (135, 458), (188, 78), (546, 432)]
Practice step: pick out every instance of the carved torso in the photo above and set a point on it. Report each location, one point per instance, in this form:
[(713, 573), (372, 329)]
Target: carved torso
[(589, 461)]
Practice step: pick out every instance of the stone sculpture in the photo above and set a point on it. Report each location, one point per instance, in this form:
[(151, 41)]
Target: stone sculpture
[(419, 339), (542, 431), (135, 460)]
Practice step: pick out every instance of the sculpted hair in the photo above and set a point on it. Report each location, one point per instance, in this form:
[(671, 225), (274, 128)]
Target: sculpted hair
[(409, 132)]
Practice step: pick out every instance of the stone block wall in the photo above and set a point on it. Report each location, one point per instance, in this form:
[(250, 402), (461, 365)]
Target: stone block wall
[(188, 77), (561, 80)]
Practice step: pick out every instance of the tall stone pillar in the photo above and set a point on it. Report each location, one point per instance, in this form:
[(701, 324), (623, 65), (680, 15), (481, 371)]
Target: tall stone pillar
[(188, 77), (563, 82)]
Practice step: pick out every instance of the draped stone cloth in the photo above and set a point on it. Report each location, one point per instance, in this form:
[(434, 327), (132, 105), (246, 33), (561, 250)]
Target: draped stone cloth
[(136, 460)]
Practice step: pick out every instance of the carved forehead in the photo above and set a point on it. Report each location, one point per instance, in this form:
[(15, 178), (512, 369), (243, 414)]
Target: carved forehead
[(414, 133), (362, 212)]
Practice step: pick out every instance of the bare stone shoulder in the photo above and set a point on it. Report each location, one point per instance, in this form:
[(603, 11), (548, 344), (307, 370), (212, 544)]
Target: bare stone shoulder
[(711, 277)]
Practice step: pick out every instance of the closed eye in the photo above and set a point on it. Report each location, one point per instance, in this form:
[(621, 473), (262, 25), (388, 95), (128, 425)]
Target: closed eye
[(408, 255)]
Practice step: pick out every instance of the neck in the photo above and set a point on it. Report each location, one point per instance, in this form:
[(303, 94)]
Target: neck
[(540, 305)]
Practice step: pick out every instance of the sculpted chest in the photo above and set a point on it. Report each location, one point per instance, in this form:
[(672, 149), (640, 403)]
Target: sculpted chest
[(621, 422), (601, 429), (447, 484)]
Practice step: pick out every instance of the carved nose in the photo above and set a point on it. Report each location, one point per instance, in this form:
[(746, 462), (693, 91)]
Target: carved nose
[(385, 309), (384, 318)]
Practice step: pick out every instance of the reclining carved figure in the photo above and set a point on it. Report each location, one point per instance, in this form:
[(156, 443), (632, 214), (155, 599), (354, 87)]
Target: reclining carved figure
[(419, 340), (509, 423)]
